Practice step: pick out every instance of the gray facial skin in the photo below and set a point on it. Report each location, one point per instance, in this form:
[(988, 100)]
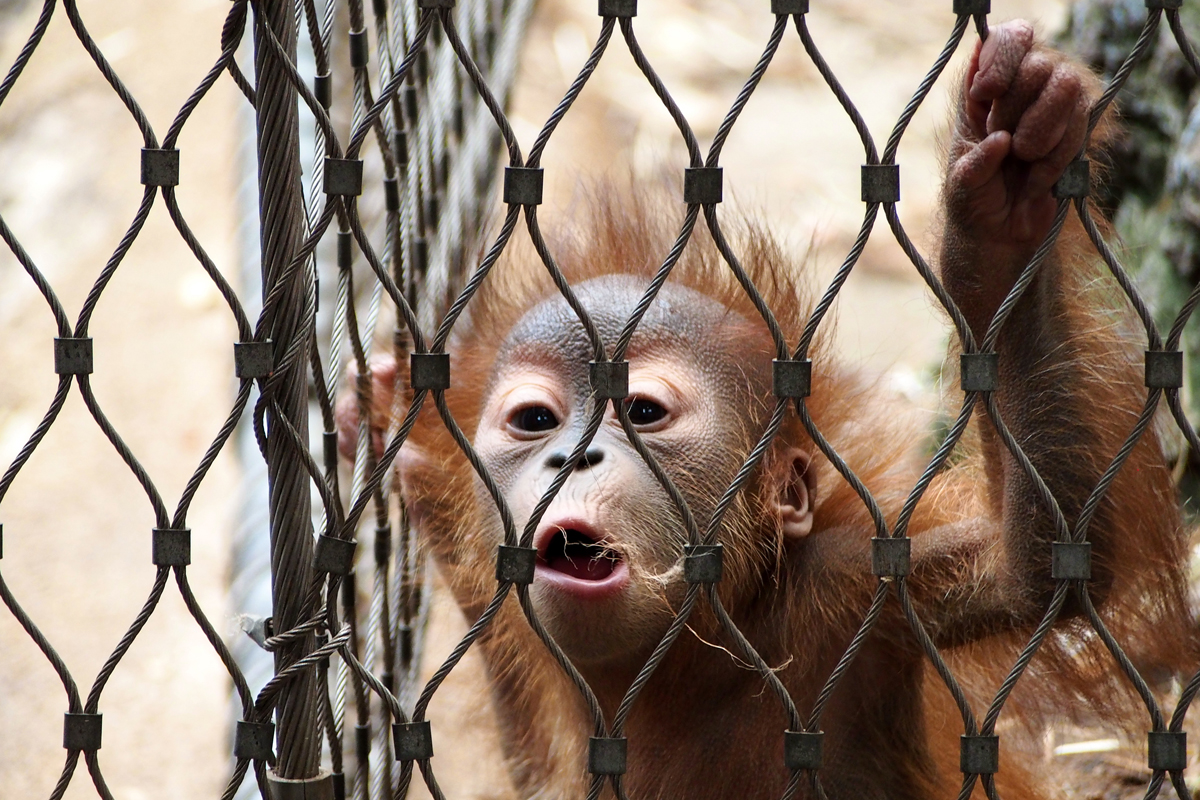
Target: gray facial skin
[(694, 367)]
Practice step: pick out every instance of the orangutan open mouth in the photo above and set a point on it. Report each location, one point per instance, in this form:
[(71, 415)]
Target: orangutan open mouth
[(577, 554)]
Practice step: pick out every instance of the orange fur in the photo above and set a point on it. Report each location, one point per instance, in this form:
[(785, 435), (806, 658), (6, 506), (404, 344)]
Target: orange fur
[(800, 605), (705, 727)]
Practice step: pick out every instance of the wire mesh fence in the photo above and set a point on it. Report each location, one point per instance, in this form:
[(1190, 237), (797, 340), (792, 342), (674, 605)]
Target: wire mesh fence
[(343, 714)]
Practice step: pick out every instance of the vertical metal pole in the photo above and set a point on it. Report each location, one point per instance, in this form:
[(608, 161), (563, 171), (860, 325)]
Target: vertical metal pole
[(281, 219)]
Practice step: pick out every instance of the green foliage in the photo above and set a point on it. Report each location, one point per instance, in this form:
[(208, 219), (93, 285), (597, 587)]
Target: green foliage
[(1152, 191)]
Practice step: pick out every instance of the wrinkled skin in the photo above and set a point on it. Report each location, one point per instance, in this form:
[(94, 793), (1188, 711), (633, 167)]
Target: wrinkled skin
[(1023, 118), (686, 374)]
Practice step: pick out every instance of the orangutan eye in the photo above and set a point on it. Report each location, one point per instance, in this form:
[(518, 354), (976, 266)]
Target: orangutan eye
[(534, 419), (645, 412)]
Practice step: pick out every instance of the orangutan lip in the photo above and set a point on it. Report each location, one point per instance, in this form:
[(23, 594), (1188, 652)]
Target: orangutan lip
[(572, 556)]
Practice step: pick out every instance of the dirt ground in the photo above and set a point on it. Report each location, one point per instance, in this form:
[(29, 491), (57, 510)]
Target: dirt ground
[(76, 548)]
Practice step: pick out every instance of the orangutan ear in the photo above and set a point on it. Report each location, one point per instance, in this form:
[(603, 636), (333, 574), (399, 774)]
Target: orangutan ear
[(346, 412), (413, 467), (795, 494)]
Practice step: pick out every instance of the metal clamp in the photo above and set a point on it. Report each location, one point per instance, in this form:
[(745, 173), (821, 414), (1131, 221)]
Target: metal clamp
[(1166, 750), (391, 194), (881, 183), (323, 90), (429, 371), (607, 756), (979, 372), (345, 250), (359, 53), (73, 356), (979, 755), (609, 379), (82, 731), (362, 742), (972, 7), (792, 379), (1164, 369), (702, 185), (343, 176), (1075, 182), (523, 186), (171, 547), (407, 645), (412, 741), (318, 787), (891, 558), (329, 449), (383, 543), (618, 8), (259, 629), (703, 563), (400, 145), (253, 359), (1071, 561), (334, 555), (253, 740), (433, 205), (789, 7), (410, 99), (802, 749), (160, 167), (515, 564)]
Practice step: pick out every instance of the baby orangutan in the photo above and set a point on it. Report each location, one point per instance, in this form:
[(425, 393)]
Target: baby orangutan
[(797, 542)]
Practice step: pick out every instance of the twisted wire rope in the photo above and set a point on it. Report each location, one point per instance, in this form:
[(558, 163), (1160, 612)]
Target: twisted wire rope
[(64, 383), (290, 295)]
